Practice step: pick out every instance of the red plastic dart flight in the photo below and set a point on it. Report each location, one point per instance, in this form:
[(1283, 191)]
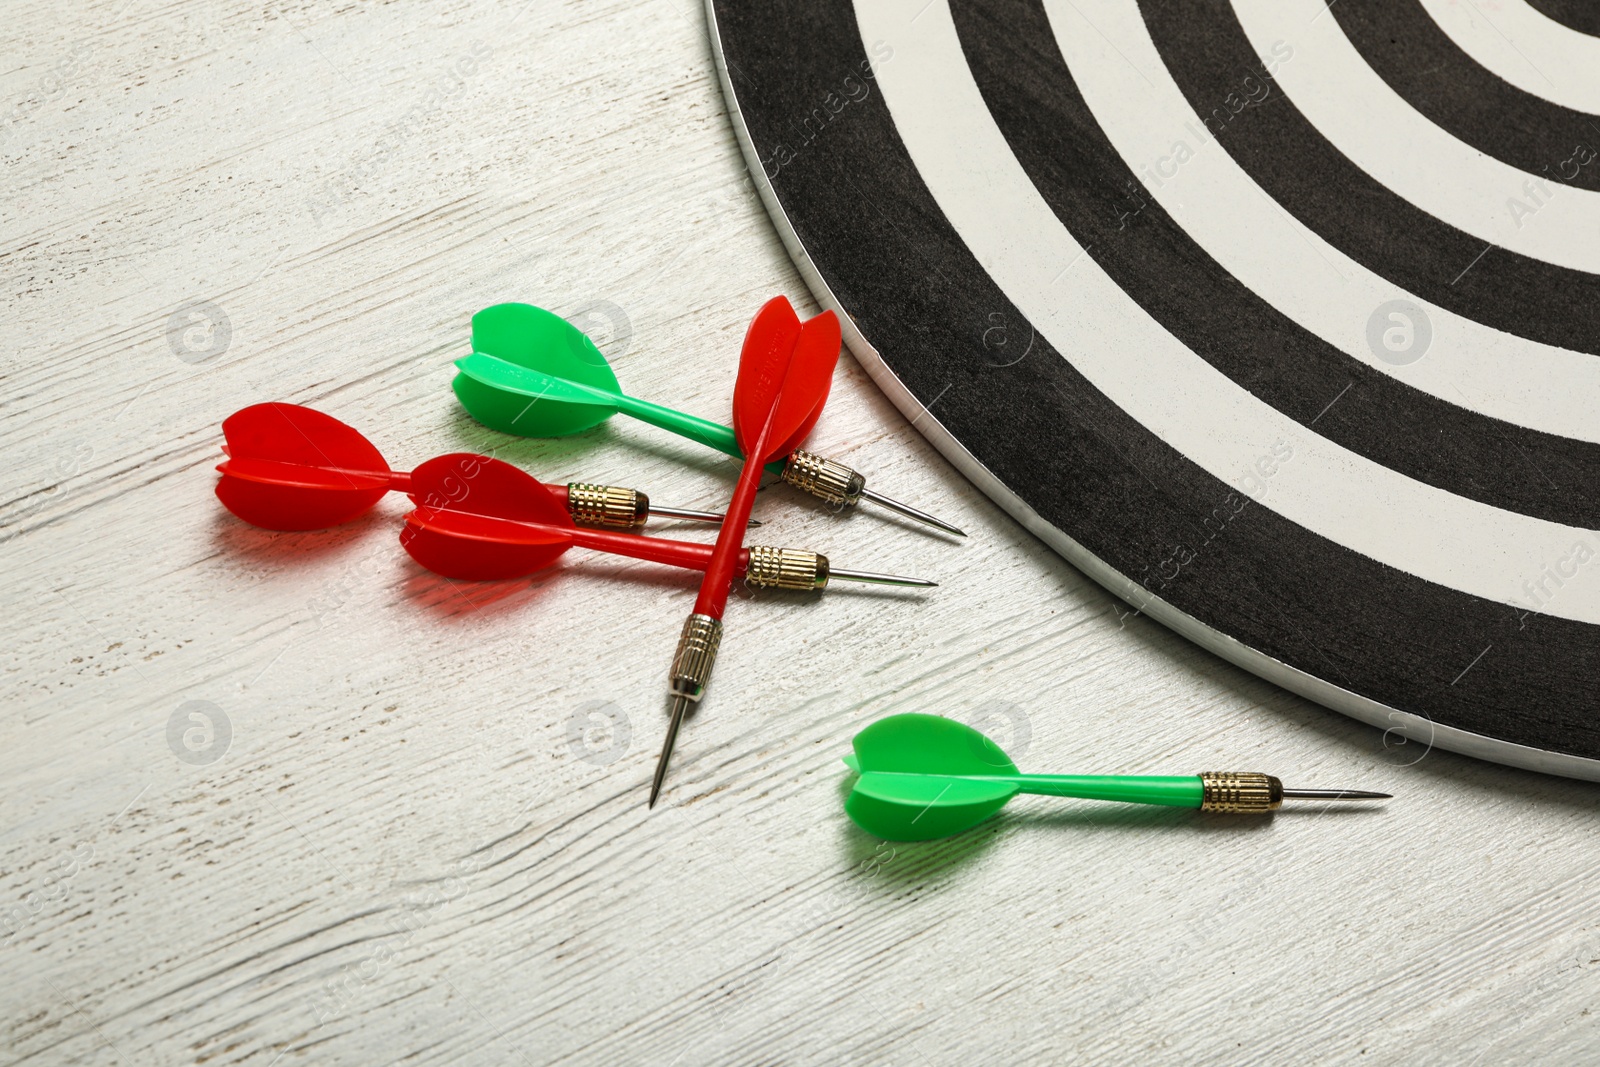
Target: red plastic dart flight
[(481, 519), (293, 468), (785, 372)]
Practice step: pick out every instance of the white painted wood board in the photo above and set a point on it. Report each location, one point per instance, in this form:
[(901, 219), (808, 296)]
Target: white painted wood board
[(402, 854)]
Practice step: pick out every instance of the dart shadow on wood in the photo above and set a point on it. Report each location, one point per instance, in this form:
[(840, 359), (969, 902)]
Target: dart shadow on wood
[(628, 572), (1088, 816), (915, 861), (446, 598), (866, 513), (906, 863), (836, 588), (1313, 810), (450, 597), (234, 536)]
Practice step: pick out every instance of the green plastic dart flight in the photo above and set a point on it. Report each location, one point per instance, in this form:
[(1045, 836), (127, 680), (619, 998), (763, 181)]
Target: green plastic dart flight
[(534, 374), (924, 777)]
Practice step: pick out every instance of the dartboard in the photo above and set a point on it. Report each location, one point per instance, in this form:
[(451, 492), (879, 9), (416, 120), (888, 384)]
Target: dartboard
[(1276, 318)]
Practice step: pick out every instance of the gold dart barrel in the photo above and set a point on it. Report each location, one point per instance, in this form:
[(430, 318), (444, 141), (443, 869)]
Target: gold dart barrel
[(1240, 792), (786, 568), (823, 478), (696, 655), (691, 672), (607, 505), (590, 504)]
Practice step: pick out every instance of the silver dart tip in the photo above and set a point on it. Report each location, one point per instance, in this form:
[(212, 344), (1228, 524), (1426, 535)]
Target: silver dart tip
[(869, 578), (1336, 794), (680, 705), (911, 513)]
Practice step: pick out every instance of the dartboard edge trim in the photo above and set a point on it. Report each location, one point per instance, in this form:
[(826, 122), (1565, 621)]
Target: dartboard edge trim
[(1365, 709)]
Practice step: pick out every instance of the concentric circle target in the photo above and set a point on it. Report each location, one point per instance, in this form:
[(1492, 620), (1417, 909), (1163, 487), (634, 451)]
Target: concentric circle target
[(1278, 319)]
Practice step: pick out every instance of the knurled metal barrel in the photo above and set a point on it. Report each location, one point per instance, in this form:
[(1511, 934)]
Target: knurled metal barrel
[(786, 568), (1240, 792), (607, 505), (697, 652), (822, 477)]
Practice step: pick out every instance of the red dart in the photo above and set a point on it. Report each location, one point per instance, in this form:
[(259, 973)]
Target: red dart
[(785, 372), (293, 468), (480, 519)]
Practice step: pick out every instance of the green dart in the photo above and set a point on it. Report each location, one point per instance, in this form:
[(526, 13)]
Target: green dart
[(534, 374), (924, 777)]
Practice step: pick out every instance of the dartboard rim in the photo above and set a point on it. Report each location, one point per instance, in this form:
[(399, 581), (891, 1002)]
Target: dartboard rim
[(1365, 709)]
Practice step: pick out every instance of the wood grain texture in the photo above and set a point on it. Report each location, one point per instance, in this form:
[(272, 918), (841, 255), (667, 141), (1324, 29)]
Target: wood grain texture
[(412, 849)]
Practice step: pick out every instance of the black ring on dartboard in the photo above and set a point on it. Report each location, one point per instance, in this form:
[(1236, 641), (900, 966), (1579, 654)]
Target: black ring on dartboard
[(1205, 49), (1580, 15), (1418, 60), (1020, 71), (1110, 495)]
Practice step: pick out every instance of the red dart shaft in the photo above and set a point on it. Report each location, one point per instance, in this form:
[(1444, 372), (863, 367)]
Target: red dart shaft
[(686, 554), (713, 598), (689, 555)]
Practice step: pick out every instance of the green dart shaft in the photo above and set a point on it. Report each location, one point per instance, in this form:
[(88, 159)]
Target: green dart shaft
[(538, 387), (708, 433), (1178, 791)]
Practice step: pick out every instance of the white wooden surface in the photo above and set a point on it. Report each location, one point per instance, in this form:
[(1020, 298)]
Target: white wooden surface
[(410, 847)]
